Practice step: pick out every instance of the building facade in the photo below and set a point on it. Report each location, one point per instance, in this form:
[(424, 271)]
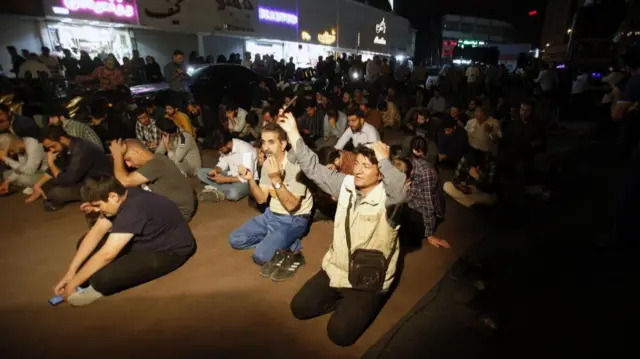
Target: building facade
[(302, 29)]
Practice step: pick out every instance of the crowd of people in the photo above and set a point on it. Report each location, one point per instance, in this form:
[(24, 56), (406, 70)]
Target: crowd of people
[(305, 154)]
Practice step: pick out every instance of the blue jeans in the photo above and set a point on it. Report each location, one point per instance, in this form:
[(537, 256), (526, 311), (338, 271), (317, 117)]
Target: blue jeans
[(269, 232), (232, 191)]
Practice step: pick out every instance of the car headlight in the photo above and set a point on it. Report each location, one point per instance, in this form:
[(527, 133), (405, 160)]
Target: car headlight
[(190, 70)]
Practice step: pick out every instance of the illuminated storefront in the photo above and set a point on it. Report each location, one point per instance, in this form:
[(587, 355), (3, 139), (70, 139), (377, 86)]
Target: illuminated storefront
[(98, 27)]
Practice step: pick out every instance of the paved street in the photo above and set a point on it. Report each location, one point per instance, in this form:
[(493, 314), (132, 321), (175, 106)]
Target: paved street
[(215, 306)]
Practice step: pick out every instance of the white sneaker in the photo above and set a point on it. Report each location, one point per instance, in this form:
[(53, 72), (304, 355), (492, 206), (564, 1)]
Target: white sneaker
[(27, 191), (84, 297)]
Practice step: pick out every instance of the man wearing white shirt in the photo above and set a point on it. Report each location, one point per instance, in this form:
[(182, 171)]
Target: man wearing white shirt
[(29, 166), (236, 118), (484, 133), (359, 131), (223, 181), (33, 67), (547, 79)]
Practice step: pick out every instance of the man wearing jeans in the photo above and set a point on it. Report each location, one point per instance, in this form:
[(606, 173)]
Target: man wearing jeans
[(148, 239), (276, 233), (223, 181)]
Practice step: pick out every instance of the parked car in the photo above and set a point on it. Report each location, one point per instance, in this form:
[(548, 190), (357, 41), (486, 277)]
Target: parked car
[(209, 84)]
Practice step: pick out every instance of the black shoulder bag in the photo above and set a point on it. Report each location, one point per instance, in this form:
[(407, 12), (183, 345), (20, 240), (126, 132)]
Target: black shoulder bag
[(367, 267)]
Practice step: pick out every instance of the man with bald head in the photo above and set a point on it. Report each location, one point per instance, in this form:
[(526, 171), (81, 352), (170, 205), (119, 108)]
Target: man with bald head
[(155, 173)]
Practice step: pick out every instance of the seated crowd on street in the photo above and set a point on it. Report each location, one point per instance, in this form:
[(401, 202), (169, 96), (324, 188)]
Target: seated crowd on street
[(300, 154)]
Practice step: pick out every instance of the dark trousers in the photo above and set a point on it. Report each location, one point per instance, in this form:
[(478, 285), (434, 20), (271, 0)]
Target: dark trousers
[(62, 194), (132, 268), (353, 310)]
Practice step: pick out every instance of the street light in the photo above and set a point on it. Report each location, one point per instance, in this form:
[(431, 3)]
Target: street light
[(548, 44), (569, 31)]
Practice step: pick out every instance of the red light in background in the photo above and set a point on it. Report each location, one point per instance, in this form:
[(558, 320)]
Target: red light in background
[(533, 12)]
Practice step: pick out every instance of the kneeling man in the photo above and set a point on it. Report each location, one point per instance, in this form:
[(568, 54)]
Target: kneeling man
[(148, 239), (276, 233)]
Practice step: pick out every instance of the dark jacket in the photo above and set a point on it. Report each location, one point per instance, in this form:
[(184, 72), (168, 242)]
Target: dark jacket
[(83, 159), (23, 126)]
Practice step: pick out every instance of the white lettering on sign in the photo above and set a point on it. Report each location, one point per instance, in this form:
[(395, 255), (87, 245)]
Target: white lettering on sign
[(280, 17), (381, 30)]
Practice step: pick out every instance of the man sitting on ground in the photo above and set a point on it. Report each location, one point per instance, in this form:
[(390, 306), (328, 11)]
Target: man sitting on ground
[(27, 168), (140, 237), (179, 118), (335, 123), (424, 125), (484, 133), (236, 119), (437, 104), (154, 173), (223, 181), (365, 219), (426, 202), (59, 117), (472, 182), (337, 160), (146, 130), (371, 115), (311, 123), (452, 143), (180, 147), (359, 131), (276, 233), (70, 160), (20, 126)]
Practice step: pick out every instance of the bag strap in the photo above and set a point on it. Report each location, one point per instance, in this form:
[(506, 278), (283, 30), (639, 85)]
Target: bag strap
[(348, 233), (347, 229)]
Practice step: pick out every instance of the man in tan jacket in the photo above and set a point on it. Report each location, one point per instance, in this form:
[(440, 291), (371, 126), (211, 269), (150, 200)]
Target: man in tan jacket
[(369, 198)]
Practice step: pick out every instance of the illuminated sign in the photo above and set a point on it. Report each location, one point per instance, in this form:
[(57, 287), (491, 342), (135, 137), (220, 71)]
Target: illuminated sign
[(472, 43), (381, 30), (118, 8), (305, 36), (277, 16), (327, 38)]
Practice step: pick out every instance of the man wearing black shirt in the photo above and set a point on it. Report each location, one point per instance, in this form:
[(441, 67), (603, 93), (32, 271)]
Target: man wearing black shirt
[(148, 239), (453, 143), (71, 160)]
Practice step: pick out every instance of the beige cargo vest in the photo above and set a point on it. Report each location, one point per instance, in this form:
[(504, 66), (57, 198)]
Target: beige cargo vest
[(369, 230)]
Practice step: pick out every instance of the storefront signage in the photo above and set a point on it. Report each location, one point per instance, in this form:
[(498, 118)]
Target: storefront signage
[(117, 8), (471, 42), (305, 36), (381, 30), (327, 38), (276, 16)]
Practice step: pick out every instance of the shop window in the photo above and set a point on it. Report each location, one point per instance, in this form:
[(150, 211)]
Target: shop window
[(452, 26), (482, 29), (95, 40)]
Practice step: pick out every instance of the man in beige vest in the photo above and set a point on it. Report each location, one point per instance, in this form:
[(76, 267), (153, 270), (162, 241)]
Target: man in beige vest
[(369, 200)]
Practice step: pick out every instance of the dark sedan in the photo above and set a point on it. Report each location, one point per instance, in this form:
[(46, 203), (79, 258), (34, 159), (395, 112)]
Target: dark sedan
[(211, 84)]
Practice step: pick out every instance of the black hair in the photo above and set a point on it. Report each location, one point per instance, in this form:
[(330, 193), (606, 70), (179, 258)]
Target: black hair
[(332, 113), (632, 58), (354, 111), (271, 110), (419, 144), (404, 165), (476, 157), (220, 139), (98, 188), (310, 103), (166, 125), (99, 108), (52, 133), (178, 52), (328, 155), (367, 153), (58, 110), (253, 118), (448, 122), (4, 108), (139, 111), (274, 127), (231, 106), (422, 113), (527, 102)]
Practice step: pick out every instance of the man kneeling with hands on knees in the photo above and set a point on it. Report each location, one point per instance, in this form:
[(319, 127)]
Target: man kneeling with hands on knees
[(360, 265), (148, 239)]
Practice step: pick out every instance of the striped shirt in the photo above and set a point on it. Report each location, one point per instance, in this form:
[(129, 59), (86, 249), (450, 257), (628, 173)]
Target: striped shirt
[(78, 129)]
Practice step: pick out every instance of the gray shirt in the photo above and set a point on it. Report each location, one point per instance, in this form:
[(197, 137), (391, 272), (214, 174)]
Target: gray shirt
[(166, 179), (183, 151), (341, 126), (177, 82), (331, 181)]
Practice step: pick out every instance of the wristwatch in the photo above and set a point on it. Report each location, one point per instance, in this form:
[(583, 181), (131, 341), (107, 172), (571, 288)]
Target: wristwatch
[(277, 185)]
